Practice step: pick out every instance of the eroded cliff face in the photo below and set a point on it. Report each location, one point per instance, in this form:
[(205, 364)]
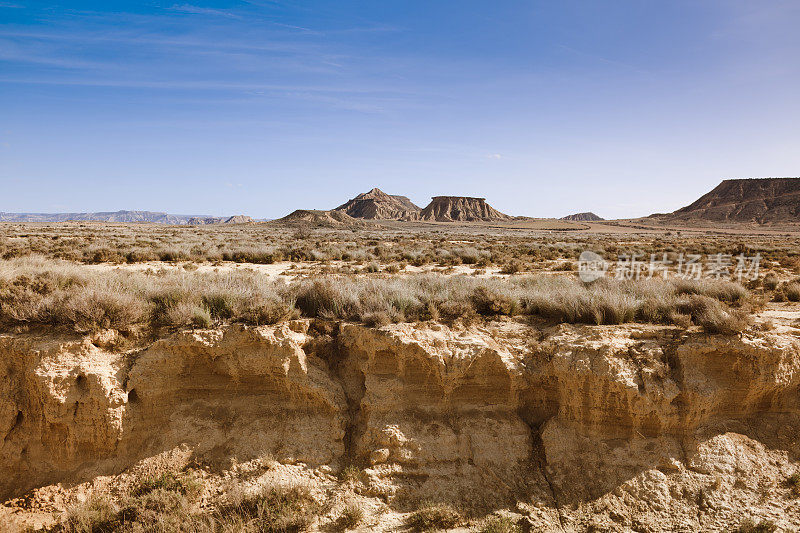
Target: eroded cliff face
[(460, 208), (636, 427)]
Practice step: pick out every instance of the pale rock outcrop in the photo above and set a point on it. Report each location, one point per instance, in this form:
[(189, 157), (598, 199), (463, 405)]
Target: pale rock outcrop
[(69, 410), (635, 427)]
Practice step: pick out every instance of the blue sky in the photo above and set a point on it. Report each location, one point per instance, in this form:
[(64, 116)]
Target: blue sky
[(259, 107)]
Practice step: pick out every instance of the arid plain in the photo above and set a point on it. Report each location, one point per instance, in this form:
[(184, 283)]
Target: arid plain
[(330, 373)]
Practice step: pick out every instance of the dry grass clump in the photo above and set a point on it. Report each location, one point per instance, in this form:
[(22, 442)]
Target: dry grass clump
[(770, 281), (351, 516), (97, 514), (792, 291), (269, 509), (170, 503), (431, 517), (784, 291), (512, 267), (501, 524)]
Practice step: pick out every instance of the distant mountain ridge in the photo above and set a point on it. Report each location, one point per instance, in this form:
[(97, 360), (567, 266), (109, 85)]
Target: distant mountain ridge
[(125, 217), (236, 219), (760, 200)]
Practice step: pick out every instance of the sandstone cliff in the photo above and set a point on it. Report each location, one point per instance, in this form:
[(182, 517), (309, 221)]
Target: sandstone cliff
[(622, 428), (460, 209)]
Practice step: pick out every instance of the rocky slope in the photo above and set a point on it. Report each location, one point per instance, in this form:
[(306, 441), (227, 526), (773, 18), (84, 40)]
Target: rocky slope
[(460, 209), (765, 200), (583, 217), (376, 204), (569, 427)]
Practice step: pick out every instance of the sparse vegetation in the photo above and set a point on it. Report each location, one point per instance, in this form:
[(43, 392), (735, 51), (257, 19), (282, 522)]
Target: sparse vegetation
[(270, 509), (416, 245), (165, 504), (36, 291)]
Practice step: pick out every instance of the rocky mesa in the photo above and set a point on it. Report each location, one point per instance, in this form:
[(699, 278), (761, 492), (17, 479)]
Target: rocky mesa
[(568, 428), (460, 209)]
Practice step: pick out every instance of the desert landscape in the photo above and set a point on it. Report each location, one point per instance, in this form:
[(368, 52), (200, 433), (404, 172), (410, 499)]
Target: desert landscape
[(280, 266), (385, 367)]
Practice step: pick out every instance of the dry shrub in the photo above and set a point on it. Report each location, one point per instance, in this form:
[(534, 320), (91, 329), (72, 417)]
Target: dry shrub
[(96, 515), (491, 301), (714, 317), (501, 524), (187, 314), (792, 291), (433, 517), (325, 299), (93, 309), (351, 516), (770, 281), (271, 509), (267, 309), (722, 290), (512, 267)]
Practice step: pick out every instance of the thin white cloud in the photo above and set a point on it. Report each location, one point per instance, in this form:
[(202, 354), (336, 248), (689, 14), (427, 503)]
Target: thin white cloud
[(197, 10), (299, 28)]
